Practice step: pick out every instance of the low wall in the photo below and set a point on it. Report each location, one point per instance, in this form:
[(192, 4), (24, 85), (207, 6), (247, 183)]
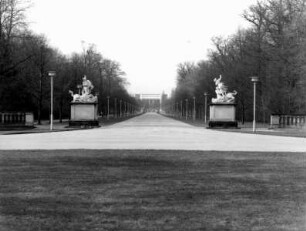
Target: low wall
[(281, 121), (15, 119)]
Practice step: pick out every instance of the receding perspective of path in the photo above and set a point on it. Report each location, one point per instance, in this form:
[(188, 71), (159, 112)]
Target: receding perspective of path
[(153, 131)]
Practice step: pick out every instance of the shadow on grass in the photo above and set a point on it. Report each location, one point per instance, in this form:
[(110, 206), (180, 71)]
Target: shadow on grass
[(151, 190)]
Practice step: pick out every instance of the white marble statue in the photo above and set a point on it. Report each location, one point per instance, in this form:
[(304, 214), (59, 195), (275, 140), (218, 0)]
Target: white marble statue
[(221, 92), (86, 96), (75, 97), (87, 86)]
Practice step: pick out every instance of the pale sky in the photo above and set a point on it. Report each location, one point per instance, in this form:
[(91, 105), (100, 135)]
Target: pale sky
[(148, 37)]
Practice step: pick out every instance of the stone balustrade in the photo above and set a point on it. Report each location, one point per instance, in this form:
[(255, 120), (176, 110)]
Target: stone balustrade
[(279, 120), (16, 119)]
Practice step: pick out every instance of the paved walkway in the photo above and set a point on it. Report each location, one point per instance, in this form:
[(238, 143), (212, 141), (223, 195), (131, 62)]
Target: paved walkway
[(153, 131)]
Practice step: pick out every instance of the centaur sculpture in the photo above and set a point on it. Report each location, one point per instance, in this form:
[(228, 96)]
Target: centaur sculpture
[(86, 96), (221, 91)]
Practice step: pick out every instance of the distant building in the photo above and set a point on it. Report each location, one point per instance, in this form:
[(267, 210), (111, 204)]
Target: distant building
[(151, 102)]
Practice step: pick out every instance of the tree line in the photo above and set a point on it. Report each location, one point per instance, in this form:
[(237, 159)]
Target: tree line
[(26, 58), (272, 48)]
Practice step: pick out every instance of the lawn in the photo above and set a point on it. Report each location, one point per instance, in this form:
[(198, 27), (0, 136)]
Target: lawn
[(152, 190)]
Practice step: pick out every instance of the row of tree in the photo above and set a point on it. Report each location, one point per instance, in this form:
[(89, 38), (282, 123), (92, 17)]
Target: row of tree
[(26, 58), (272, 48)]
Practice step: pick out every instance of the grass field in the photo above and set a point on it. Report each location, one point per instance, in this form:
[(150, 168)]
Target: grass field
[(152, 190)]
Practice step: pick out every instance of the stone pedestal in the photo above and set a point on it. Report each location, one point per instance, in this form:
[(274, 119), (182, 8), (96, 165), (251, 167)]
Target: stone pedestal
[(274, 121), (29, 119), (222, 115), (83, 114)]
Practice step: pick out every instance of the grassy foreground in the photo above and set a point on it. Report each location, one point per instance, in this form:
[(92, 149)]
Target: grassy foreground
[(152, 190)]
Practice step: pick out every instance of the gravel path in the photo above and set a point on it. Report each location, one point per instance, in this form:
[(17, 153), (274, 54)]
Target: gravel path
[(153, 131)]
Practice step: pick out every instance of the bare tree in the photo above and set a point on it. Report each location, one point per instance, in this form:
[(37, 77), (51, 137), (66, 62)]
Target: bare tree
[(12, 21)]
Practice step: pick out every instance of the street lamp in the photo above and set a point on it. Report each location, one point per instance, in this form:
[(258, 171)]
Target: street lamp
[(173, 110), (194, 108), (205, 107), (120, 111), (51, 75), (186, 109), (115, 107), (107, 107), (254, 79), (181, 109), (97, 95)]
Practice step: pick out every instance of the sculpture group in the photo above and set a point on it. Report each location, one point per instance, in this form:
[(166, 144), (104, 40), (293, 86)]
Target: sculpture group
[(222, 110), (86, 96), (221, 91)]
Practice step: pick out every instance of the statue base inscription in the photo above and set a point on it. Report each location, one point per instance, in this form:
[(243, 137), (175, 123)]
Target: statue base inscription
[(222, 115), (84, 114)]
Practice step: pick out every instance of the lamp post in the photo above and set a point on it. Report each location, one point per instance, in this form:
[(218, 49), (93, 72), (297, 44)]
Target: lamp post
[(107, 107), (205, 107), (194, 109), (173, 110), (101, 70), (254, 79), (120, 112), (115, 102), (97, 95), (124, 108), (186, 109), (181, 109), (51, 75)]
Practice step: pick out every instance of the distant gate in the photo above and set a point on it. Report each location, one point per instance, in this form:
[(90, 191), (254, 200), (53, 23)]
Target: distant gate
[(151, 102)]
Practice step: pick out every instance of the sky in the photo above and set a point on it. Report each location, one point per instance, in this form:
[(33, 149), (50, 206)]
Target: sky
[(149, 38)]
